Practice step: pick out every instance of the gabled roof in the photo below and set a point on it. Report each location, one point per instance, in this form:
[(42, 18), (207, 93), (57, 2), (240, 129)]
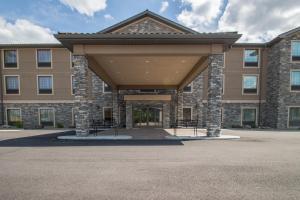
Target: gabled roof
[(152, 15), (283, 35)]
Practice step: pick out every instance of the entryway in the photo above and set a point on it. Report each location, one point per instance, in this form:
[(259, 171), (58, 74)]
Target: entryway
[(147, 116)]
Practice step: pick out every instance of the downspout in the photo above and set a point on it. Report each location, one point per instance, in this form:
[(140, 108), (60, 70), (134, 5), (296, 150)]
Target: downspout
[(260, 86), (1, 96)]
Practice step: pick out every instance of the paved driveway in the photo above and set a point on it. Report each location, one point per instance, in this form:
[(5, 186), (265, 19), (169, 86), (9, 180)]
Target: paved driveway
[(262, 165)]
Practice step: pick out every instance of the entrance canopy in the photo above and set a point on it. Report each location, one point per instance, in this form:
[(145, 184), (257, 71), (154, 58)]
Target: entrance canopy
[(147, 51)]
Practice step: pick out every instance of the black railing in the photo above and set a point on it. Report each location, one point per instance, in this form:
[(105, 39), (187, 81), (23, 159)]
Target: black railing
[(100, 125)]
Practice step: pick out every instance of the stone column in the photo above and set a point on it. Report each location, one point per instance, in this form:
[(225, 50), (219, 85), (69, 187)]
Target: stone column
[(128, 115), (166, 115), (115, 107), (214, 101), (82, 113)]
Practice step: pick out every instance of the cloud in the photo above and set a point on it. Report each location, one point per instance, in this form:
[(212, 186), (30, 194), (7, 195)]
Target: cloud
[(260, 20), (108, 16), (86, 7), (201, 14), (164, 6), (24, 31), (257, 20)]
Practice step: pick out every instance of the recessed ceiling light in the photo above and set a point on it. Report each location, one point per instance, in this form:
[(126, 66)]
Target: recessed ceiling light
[(183, 61), (147, 61), (111, 61), (146, 72), (177, 72)]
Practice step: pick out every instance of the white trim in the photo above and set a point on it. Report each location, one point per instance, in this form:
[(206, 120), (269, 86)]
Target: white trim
[(293, 70), (71, 60), (8, 108), (190, 107), (103, 112), (37, 83), (249, 107), (39, 101), (39, 113), (224, 64), (258, 60), (257, 84), (192, 88), (4, 84), (36, 58), (239, 101), (3, 58), (72, 85), (291, 52), (103, 86), (288, 121)]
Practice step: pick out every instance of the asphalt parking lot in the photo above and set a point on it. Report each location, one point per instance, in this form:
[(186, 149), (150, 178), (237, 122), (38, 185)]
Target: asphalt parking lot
[(261, 165)]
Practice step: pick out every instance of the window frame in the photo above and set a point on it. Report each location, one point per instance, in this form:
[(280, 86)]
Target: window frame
[(103, 88), (12, 108), (288, 121), (297, 61), (4, 84), (38, 87), (3, 58), (72, 89), (258, 59), (37, 61), (256, 114), (293, 70), (257, 84), (192, 88), (188, 107), (103, 112), (48, 108), (154, 91)]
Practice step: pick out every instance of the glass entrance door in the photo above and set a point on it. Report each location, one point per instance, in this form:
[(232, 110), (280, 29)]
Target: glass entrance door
[(147, 116)]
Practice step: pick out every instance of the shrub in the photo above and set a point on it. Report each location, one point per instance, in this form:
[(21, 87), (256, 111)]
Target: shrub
[(59, 125)]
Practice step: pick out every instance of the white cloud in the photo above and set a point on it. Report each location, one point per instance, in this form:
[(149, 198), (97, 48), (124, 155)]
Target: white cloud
[(86, 7), (257, 20), (164, 6), (108, 16), (24, 31), (260, 20), (201, 15)]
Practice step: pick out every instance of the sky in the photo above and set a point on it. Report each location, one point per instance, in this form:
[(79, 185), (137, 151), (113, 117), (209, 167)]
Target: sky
[(32, 21)]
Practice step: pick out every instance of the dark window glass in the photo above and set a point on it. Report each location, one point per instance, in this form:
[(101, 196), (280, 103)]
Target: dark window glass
[(249, 117), (107, 88), (188, 88), (12, 84), (187, 114), (251, 58), (13, 116), (73, 85), (147, 90), (108, 114), (295, 80), (44, 57), (47, 117), (250, 84), (10, 59), (296, 51), (45, 84), (294, 117)]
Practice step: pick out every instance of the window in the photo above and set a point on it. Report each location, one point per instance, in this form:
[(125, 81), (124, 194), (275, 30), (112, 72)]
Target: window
[(72, 85), (250, 84), (107, 114), (44, 58), (249, 117), (296, 51), (47, 117), (294, 117), (45, 84), (148, 90), (12, 84), (10, 59), (187, 114), (106, 88), (251, 58), (188, 88), (295, 81), (13, 116)]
